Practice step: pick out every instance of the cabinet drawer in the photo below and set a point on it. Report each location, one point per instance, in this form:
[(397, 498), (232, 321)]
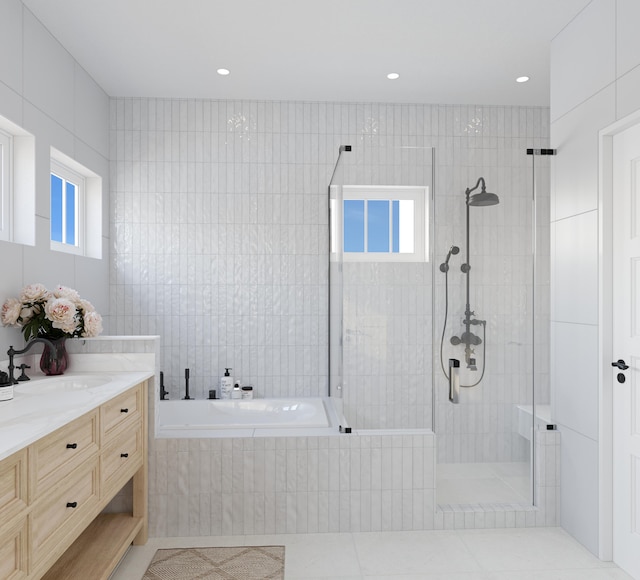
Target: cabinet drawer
[(13, 550), (13, 485), (56, 455), (61, 515), (121, 459), (120, 413)]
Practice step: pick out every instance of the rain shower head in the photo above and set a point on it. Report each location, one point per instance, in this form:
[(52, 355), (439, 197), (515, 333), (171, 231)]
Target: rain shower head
[(482, 199)]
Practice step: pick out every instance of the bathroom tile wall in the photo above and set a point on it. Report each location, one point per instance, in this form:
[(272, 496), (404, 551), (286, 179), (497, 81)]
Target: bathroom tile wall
[(341, 483), (291, 485), (220, 241)]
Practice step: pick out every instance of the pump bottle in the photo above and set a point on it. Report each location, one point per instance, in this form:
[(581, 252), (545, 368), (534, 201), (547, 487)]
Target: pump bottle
[(226, 384)]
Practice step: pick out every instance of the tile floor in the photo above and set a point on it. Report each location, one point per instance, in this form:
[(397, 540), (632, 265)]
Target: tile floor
[(467, 483), (499, 554)]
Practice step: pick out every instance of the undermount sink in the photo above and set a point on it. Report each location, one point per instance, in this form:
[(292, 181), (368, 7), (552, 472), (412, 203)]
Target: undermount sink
[(61, 385)]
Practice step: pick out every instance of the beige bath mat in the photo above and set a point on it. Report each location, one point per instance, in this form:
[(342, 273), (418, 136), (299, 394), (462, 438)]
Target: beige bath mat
[(240, 563)]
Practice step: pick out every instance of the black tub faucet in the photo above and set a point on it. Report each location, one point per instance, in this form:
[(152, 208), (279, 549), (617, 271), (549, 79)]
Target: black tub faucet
[(163, 391), (186, 385)]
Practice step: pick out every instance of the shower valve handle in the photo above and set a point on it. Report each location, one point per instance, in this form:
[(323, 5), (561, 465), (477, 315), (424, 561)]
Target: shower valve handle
[(620, 364)]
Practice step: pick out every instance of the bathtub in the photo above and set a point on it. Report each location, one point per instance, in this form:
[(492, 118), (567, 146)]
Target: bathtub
[(246, 418)]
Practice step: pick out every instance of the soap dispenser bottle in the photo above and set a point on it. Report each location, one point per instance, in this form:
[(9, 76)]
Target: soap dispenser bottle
[(226, 384)]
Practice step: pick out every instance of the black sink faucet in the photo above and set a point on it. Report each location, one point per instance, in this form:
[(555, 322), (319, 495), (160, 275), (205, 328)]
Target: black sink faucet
[(12, 352)]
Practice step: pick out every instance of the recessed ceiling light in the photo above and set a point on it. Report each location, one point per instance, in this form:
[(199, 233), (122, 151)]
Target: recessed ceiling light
[(223, 71), (393, 76), (522, 79)]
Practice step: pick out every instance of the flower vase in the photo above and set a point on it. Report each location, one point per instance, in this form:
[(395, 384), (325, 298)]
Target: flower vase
[(54, 363)]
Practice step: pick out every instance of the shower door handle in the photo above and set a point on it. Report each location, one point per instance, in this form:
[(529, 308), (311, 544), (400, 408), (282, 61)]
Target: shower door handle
[(454, 380)]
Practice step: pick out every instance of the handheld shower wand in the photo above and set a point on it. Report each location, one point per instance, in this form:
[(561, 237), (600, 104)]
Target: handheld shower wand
[(444, 267)]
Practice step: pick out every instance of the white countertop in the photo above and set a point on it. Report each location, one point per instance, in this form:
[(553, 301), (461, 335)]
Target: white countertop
[(31, 415)]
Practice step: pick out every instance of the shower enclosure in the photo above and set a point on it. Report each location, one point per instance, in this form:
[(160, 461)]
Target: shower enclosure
[(470, 311)]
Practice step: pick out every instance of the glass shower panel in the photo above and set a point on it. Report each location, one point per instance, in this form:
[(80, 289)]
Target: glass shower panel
[(381, 297)]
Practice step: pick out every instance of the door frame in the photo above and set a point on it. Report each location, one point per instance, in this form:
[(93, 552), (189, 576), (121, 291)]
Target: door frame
[(605, 332)]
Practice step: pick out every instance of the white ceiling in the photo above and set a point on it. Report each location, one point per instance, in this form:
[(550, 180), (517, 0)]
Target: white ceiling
[(446, 51)]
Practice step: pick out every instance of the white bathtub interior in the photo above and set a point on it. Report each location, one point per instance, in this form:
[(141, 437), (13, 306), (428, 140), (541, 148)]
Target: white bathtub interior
[(248, 418)]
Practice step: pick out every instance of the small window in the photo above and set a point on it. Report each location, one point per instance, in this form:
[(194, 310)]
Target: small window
[(376, 223), (76, 207), (17, 184), (6, 163), (67, 193)]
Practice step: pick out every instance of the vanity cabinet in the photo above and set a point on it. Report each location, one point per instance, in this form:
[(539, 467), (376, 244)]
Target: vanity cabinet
[(52, 494), (54, 456), (13, 519)]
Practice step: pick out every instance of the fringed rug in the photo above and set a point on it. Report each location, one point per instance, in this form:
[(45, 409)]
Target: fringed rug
[(241, 563)]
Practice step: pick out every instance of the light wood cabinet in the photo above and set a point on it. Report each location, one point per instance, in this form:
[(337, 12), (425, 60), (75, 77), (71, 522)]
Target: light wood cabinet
[(56, 455), (121, 412), (58, 519), (121, 459), (53, 492), (13, 549), (13, 485)]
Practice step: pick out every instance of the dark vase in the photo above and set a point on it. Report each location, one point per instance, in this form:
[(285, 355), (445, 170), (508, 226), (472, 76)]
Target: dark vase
[(54, 363)]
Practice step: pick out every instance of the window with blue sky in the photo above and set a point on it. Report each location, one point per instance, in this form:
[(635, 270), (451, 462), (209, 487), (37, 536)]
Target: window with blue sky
[(378, 223), (67, 187)]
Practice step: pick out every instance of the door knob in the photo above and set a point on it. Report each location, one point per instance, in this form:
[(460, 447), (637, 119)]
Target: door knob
[(620, 364)]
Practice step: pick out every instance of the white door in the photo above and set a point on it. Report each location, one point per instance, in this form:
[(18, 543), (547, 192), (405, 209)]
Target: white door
[(626, 346)]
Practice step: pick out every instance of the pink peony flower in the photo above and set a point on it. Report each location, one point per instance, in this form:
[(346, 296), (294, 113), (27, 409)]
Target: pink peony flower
[(28, 312), (68, 293), (34, 292), (92, 324), (11, 312), (61, 312), (85, 306)]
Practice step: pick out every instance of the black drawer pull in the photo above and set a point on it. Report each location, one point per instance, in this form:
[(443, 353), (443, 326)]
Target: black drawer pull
[(124, 455), (72, 445), (124, 410), (72, 504)]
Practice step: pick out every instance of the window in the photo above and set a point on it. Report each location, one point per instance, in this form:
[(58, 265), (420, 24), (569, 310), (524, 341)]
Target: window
[(6, 163), (76, 207), (17, 184), (67, 194), (379, 223)]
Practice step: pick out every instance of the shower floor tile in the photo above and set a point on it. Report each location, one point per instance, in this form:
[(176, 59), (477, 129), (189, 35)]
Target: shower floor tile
[(465, 483)]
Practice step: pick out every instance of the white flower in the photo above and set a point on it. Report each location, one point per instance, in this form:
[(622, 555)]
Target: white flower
[(85, 306), (61, 312), (45, 314), (28, 312), (34, 292), (68, 293), (11, 312), (92, 324)]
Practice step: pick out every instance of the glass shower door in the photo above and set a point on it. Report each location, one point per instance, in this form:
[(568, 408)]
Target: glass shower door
[(485, 296)]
